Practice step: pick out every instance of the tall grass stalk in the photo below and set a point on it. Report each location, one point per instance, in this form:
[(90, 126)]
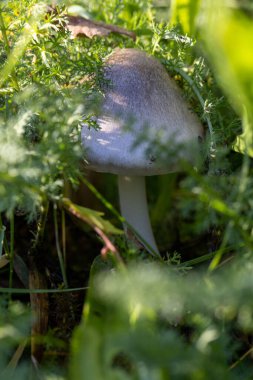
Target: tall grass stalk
[(18, 50), (58, 248), (11, 254), (2, 236), (5, 243), (7, 48), (63, 230)]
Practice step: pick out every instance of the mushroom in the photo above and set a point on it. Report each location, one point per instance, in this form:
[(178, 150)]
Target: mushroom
[(139, 97)]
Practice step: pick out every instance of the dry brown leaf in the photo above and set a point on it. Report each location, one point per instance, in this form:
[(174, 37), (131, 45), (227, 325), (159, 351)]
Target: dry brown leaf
[(80, 26)]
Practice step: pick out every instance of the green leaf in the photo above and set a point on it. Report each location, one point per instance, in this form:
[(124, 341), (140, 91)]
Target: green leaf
[(85, 355), (92, 356), (185, 12), (244, 142), (91, 217), (229, 39)]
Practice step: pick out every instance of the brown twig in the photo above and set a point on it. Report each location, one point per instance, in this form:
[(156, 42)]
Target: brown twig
[(247, 353)]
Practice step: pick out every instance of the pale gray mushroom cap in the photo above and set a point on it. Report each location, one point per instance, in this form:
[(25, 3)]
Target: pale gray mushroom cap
[(139, 97)]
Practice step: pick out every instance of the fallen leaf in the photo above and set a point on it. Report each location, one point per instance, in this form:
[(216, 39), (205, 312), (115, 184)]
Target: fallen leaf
[(80, 26)]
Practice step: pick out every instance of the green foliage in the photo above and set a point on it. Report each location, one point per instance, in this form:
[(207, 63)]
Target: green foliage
[(162, 322), (185, 13), (142, 320), (134, 334), (42, 103), (229, 39), (93, 218), (14, 332), (38, 146)]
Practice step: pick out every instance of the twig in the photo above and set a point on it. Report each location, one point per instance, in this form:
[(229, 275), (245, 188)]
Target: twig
[(17, 355), (247, 353)]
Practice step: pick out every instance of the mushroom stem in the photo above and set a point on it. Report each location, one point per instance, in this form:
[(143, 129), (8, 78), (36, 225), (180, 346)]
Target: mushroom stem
[(134, 208)]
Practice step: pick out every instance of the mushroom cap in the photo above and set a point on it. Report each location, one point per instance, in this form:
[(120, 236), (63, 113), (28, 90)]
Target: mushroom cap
[(140, 100)]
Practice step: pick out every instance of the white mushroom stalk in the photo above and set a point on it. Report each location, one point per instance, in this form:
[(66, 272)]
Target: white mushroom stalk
[(134, 208)]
